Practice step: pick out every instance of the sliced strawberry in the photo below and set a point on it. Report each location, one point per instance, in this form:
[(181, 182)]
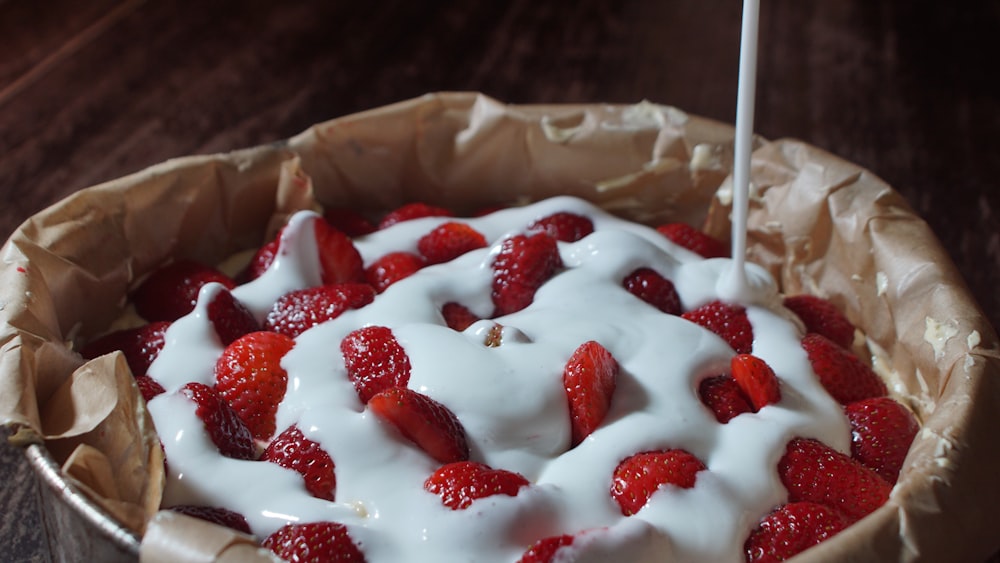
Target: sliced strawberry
[(314, 542), (589, 378), (523, 264), (822, 317), (230, 318), (564, 226), (544, 550), (844, 376), (815, 472), (216, 515), (882, 431), (449, 241), (140, 345), (292, 450), (339, 260), (224, 426), (299, 310), (694, 240), (791, 529), (412, 211), (374, 360), (460, 483), (391, 268), (757, 380), (639, 476), (249, 376), (458, 317), (348, 221), (654, 289), (148, 387), (171, 292), (724, 397), (424, 421), (728, 321), (261, 260)]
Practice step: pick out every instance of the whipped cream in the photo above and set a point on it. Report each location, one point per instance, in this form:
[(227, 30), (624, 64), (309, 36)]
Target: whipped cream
[(511, 402)]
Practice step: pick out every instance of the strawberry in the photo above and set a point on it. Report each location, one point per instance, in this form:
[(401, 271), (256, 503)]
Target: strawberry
[(564, 226), (694, 240), (449, 241), (728, 321), (171, 292), (391, 268), (230, 318), (261, 260), (140, 345), (297, 311), (424, 421), (544, 550), (292, 450), (844, 376), (882, 431), (589, 379), (314, 542), (348, 221), (790, 529), (458, 317), (148, 387), (822, 317), (815, 472), (523, 264), (412, 211), (224, 426), (339, 260), (374, 360), (757, 380), (249, 376), (724, 397), (654, 289), (639, 476), (460, 483), (215, 515)]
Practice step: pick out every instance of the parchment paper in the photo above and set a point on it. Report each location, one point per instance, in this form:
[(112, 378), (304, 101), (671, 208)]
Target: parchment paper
[(819, 224)]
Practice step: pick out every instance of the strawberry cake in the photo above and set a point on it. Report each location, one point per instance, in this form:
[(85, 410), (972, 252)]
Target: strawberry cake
[(538, 383)]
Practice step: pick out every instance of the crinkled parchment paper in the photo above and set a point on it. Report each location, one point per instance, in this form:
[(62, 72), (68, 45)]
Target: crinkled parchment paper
[(821, 225)]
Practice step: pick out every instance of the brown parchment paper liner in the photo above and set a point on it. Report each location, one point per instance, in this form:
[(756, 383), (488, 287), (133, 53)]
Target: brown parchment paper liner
[(821, 225)]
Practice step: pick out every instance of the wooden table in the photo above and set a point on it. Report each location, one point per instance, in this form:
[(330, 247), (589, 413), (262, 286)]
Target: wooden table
[(92, 91)]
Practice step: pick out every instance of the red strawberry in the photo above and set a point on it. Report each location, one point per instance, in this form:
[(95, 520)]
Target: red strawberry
[(724, 397), (449, 241), (564, 226), (815, 472), (148, 387), (215, 515), (457, 316), (523, 264), (424, 421), (171, 292), (261, 260), (348, 221), (589, 379), (412, 211), (292, 450), (694, 240), (139, 345), (728, 321), (391, 268), (460, 483), (339, 260), (314, 542), (882, 431), (249, 376), (224, 426), (790, 529), (544, 550), (297, 311), (230, 318), (374, 360), (654, 289), (822, 317), (639, 476), (844, 376), (757, 380)]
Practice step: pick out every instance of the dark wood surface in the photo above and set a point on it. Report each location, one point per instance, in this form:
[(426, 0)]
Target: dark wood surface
[(90, 91)]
